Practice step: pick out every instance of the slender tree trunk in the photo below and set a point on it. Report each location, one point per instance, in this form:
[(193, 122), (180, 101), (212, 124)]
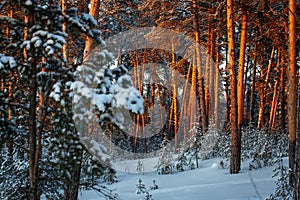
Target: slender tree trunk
[(207, 73), (9, 141), (263, 92), (33, 168), (64, 27), (240, 86), (204, 120), (275, 95), (292, 97), (235, 159), (212, 76), (252, 98), (283, 98), (274, 106), (32, 136), (174, 98), (216, 90)]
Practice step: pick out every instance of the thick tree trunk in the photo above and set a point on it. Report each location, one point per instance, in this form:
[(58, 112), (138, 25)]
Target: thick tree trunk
[(72, 187), (292, 97), (235, 159)]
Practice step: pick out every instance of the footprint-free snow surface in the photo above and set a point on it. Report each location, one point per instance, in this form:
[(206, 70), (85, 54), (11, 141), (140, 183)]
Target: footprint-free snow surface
[(208, 182)]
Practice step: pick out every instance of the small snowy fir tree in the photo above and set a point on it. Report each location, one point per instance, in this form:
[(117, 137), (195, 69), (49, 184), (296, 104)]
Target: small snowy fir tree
[(109, 175), (165, 162), (283, 189), (261, 149), (154, 186), (209, 148), (181, 160), (140, 187), (140, 167), (194, 147), (148, 196)]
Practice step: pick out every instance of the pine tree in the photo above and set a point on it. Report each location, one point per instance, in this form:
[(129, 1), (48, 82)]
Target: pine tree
[(181, 160), (195, 143), (52, 159), (140, 167), (165, 162), (154, 186), (140, 187)]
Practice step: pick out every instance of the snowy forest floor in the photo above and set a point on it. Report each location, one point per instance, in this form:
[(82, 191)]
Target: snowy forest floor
[(208, 182)]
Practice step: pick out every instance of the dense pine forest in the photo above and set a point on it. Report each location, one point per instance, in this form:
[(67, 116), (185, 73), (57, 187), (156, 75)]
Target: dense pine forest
[(86, 83)]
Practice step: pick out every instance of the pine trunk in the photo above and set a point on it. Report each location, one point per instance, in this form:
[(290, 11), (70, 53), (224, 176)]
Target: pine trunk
[(292, 96), (216, 90), (204, 120), (64, 27), (263, 93), (235, 159), (33, 168), (9, 141), (72, 187), (94, 11), (252, 97), (240, 86), (283, 99)]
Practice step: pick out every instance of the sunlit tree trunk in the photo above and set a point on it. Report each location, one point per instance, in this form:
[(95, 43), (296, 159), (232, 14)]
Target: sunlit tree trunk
[(216, 90), (207, 73), (274, 106), (275, 95), (174, 97), (235, 158), (263, 93), (291, 100), (240, 84), (64, 27), (94, 11)]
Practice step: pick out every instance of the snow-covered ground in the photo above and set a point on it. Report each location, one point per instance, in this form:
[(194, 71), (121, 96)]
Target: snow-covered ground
[(205, 183)]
